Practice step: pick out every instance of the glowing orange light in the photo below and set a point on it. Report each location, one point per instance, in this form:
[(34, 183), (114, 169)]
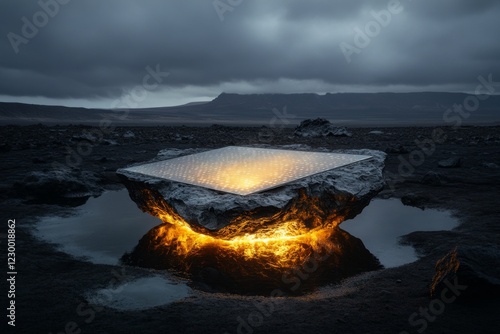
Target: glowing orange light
[(255, 253)]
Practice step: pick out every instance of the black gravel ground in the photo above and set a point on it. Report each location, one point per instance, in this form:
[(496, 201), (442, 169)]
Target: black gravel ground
[(50, 285)]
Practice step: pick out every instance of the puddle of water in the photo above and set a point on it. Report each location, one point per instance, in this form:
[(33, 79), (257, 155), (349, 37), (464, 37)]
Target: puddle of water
[(383, 222), (102, 230), (140, 294), (107, 227)]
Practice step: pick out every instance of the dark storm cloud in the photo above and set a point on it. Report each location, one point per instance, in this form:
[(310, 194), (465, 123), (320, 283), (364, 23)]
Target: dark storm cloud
[(97, 48)]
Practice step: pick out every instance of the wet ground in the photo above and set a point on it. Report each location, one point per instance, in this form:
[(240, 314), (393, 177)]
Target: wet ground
[(54, 291)]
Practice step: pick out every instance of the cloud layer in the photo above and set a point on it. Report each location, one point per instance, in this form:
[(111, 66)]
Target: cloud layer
[(96, 50)]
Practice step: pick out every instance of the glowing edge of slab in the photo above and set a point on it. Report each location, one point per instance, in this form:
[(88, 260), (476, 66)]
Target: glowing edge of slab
[(360, 157)]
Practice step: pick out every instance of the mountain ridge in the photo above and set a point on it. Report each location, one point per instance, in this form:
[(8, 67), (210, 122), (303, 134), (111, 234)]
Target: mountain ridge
[(231, 108)]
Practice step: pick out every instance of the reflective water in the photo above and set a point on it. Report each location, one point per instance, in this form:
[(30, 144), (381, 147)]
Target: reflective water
[(383, 222), (107, 227), (140, 294), (102, 230)]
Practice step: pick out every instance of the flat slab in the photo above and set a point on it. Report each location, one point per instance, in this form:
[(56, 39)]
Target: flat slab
[(245, 170)]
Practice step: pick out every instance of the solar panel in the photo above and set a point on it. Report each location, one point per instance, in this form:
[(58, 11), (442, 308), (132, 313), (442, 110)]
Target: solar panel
[(245, 170)]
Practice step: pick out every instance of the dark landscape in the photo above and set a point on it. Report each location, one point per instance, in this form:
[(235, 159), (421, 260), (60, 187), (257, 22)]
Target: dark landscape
[(244, 167), (355, 109), (52, 284)]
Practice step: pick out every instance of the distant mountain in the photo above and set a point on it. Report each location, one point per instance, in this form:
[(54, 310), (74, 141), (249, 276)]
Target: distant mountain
[(361, 109)]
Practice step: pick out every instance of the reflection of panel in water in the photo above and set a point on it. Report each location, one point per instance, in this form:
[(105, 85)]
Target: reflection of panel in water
[(245, 170)]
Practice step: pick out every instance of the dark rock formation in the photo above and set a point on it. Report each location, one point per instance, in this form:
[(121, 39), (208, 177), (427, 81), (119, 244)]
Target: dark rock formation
[(320, 128), (452, 162), (327, 194), (58, 186), (473, 271)]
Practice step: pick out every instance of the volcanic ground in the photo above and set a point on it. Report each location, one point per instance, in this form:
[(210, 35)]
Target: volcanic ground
[(457, 169)]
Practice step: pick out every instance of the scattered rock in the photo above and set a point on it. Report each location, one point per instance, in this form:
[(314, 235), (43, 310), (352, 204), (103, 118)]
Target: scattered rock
[(452, 162), (129, 134), (179, 137), (433, 178), (416, 201), (109, 177), (38, 160), (397, 149), (337, 132), (5, 147), (109, 142), (472, 271), (320, 127), (84, 137), (490, 165), (56, 185), (491, 138)]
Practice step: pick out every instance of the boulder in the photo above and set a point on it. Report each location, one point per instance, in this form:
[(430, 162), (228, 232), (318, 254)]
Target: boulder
[(433, 178), (452, 162), (474, 269), (323, 197), (57, 186), (397, 149), (129, 134), (254, 244), (320, 128)]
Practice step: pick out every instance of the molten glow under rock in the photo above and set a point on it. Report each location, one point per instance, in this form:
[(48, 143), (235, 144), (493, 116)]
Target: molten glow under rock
[(286, 255), (287, 239)]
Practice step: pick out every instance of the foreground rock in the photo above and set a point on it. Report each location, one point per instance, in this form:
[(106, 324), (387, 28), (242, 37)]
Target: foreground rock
[(452, 162), (320, 127), (473, 272), (255, 244), (58, 186)]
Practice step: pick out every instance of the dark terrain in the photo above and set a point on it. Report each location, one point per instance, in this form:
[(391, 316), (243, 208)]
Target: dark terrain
[(51, 285), (352, 109)]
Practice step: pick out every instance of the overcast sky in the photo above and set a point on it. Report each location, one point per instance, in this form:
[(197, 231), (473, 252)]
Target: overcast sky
[(92, 53)]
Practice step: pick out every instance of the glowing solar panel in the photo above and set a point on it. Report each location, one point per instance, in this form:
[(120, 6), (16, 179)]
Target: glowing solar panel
[(245, 170)]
